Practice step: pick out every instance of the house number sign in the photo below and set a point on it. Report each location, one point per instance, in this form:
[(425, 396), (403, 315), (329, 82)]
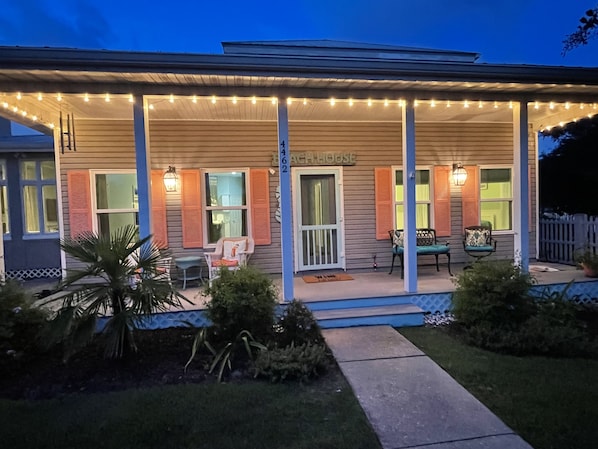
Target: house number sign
[(311, 158)]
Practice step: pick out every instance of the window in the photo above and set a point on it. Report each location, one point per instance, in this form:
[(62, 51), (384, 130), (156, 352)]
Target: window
[(40, 206), (116, 203), (496, 197), (226, 204), (4, 199), (422, 199)]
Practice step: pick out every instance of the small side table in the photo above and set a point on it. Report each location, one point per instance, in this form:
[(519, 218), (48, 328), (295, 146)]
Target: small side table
[(187, 262)]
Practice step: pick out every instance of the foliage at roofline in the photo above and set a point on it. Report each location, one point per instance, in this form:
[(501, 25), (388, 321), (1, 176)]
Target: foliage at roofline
[(587, 30)]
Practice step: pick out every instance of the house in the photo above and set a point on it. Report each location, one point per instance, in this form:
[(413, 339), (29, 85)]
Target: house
[(314, 148), (28, 203)]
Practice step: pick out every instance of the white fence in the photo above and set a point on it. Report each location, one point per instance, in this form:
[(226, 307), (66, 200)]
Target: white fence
[(561, 237)]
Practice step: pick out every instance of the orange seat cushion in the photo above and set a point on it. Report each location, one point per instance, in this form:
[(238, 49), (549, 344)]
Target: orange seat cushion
[(225, 263)]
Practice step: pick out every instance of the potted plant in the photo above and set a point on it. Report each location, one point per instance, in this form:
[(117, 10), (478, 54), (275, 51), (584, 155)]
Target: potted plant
[(588, 260)]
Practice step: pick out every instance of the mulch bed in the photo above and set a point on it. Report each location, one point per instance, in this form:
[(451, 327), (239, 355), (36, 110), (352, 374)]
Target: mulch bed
[(160, 360)]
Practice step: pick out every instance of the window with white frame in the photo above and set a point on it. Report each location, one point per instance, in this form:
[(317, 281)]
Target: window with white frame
[(496, 198), (4, 198), (226, 211), (422, 199), (40, 205), (116, 203)]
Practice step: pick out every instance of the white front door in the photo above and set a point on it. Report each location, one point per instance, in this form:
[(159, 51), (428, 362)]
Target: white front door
[(319, 219)]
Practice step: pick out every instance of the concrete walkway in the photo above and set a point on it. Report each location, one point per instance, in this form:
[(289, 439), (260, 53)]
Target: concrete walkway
[(409, 400)]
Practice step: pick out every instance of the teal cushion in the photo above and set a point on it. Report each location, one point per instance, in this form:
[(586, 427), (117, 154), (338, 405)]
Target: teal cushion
[(397, 250), (479, 248), (433, 249)]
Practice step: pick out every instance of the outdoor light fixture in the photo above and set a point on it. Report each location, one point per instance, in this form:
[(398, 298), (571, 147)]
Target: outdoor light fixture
[(459, 174), (170, 179)]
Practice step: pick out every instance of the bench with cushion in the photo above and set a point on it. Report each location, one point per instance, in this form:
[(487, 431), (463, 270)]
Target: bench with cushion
[(426, 245)]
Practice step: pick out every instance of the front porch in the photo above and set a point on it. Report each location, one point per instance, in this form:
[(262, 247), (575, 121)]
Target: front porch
[(375, 297)]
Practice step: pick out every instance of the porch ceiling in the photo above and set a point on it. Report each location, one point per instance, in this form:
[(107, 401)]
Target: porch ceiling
[(189, 96)]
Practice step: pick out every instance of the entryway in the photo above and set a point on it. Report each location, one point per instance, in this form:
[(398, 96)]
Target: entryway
[(319, 219)]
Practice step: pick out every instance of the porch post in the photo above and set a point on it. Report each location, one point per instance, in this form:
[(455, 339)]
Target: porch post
[(410, 262), (521, 184), (142, 163), (286, 210)]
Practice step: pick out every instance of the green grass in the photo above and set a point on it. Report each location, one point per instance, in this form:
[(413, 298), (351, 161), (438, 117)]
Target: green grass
[(250, 415), (551, 403)]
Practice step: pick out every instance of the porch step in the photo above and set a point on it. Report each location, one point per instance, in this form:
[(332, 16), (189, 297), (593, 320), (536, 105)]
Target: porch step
[(396, 315)]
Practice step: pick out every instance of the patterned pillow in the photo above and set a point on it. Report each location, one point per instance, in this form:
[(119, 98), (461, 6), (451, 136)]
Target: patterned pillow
[(476, 237), (233, 249), (397, 238)]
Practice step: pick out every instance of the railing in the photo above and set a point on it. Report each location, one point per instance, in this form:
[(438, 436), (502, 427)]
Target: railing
[(561, 237)]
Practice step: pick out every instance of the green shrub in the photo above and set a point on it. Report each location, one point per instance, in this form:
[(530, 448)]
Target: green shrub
[(301, 362), (297, 325), (493, 293), (20, 322), (242, 300)]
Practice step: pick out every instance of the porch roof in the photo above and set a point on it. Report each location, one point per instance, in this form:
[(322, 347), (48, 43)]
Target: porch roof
[(362, 75)]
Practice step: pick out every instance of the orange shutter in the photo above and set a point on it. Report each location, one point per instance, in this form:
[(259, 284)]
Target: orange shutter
[(79, 202), (470, 197), (160, 229), (442, 201), (260, 205), (191, 209), (383, 184)]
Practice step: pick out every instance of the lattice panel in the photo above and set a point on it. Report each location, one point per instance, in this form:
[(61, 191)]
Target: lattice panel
[(584, 292), (433, 302), (35, 273)]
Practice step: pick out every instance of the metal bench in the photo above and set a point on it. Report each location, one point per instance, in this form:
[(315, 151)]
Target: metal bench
[(426, 245)]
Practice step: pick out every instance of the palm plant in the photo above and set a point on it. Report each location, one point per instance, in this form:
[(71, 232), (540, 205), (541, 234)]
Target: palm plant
[(120, 280)]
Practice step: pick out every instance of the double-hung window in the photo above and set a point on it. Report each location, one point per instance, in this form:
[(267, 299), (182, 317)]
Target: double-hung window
[(4, 199), (226, 211), (116, 203), (38, 187), (496, 198), (422, 199)]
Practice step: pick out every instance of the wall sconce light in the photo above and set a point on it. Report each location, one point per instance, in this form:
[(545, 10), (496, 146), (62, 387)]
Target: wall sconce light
[(459, 174), (170, 179)]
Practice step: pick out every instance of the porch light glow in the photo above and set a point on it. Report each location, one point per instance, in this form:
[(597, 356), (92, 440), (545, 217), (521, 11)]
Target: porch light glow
[(213, 99), (350, 102), (466, 104), (51, 125), (107, 98), (459, 174), (448, 103), (151, 106), (510, 104), (170, 179), (567, 105), (131, 99), (19, 96), (480, 104), (194, 99), (171, 99), (536, 105), (386, 102), (234, 100), (332, 102), (86, 98), (304, 101), (274, 100), (433, 103), (59, 97), (369, 102), (415, 103), (496, 105), (253, 100), (289, 101), (551, 106), (40, 97)]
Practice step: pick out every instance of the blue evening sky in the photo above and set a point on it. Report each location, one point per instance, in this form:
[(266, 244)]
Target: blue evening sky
[(503, 31)]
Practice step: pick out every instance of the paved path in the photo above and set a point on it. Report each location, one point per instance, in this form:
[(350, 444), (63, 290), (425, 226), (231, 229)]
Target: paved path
[(410, 401)]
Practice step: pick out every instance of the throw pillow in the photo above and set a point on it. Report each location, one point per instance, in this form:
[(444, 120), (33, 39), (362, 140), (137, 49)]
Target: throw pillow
[(476, 237), (397, 238), (233, 249)]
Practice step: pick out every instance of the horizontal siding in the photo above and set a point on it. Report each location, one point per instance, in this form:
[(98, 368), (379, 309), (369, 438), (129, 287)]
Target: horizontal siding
[(246, 144)]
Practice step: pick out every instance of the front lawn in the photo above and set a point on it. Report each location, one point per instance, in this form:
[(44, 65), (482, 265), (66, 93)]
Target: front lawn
[(552, 403), (324, 414)]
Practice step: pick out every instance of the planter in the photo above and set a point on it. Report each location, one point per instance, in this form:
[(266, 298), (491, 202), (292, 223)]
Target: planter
[(589, 271)]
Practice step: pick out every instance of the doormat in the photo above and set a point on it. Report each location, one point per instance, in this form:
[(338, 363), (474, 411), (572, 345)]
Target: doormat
[(327, 278)]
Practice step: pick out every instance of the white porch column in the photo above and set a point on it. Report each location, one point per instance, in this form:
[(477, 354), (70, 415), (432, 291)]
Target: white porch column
[(286, 207), (521, 185), (410, 262), (142, 162)]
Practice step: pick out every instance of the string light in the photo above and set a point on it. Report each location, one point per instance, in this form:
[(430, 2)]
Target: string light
[(194, 99), (59, 97), (19, 96), (107, 98), (510, 105), (213, 99), (415, 103), (433, 103), (40, 97), (385, 102), (536, 105), (289, 101), (496, 105), (350, 102), (369, 102), (274, 100), (253, 100), (466, 104), (86, 98), (448, 103), (332, 101), (567, 105), (131, 98), (234, 100), (171, 99), (551, 105), (480, 104), (304, 101)]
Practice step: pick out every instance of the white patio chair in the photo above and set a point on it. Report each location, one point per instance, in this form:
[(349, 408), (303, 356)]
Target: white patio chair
[(230, 252), (163, 269)]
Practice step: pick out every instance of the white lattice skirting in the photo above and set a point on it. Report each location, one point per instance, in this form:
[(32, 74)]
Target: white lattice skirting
[(35, 273)]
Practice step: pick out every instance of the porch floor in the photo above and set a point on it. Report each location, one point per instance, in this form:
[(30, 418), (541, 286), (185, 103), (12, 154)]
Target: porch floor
[(376, 284)]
